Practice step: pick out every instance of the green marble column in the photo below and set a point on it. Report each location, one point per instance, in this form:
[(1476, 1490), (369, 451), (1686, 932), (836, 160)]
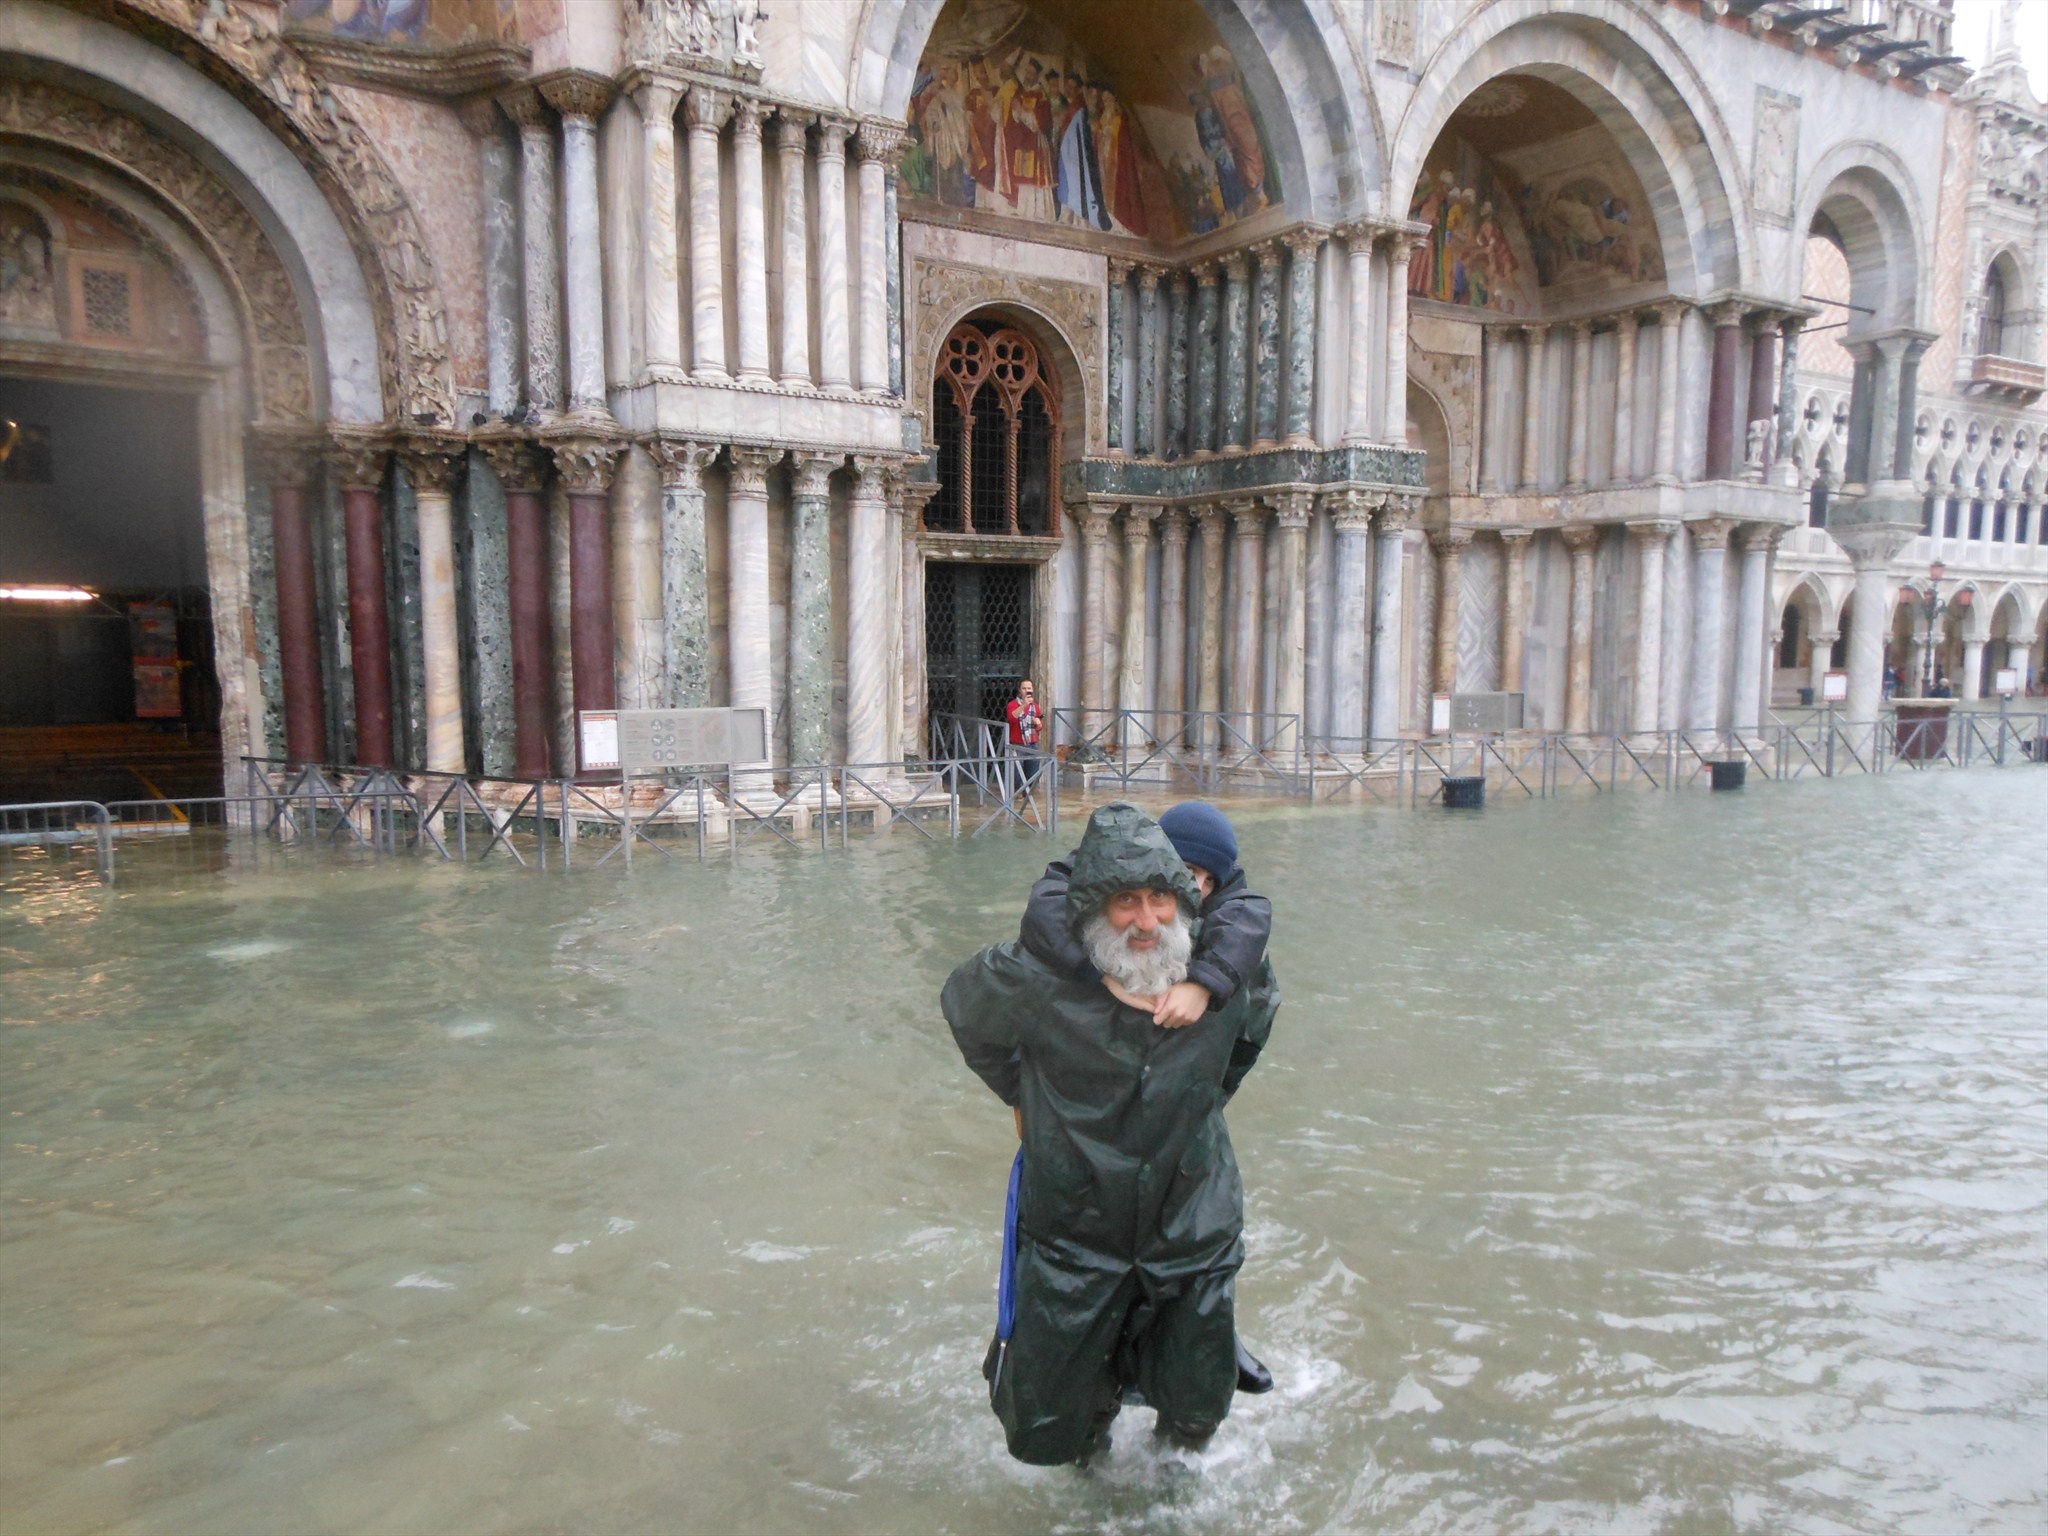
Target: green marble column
[(685, 575), (1202, 417), (1119, 273), (1177, 366), (1266, 356), (810, 611), (484, 580)]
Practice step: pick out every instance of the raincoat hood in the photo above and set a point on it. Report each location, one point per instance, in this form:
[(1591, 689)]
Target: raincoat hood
[(1125, 850)]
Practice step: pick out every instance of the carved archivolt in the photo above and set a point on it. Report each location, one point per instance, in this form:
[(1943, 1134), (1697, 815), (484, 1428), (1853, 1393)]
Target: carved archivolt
[(945, 291), (376, 212), (280, 363)]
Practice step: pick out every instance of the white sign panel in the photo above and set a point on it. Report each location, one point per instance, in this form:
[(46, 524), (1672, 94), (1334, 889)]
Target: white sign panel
[(597, 740), (1439, 713), (2006, 680), (1834, 687)]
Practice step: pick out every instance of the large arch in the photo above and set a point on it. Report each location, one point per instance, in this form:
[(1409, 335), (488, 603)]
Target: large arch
[(1863, 191), (1635, 80)]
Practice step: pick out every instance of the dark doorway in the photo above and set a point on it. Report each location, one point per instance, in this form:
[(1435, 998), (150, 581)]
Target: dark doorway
[(977, 630)]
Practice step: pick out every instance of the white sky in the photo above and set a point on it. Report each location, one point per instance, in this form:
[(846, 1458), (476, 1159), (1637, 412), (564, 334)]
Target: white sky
[(1975, 20)]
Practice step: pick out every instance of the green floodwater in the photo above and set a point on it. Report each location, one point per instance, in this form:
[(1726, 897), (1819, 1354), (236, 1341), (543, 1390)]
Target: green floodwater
[(1647, 1163)]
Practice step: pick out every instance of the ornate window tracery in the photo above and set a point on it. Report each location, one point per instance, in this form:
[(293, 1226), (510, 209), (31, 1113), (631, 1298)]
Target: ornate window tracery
[(995, 421), (1991, 315)]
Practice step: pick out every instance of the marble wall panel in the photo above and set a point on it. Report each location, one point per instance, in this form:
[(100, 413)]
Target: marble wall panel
[(1479, 577)]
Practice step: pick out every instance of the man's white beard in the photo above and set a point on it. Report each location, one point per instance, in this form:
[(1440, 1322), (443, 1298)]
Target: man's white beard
[(1145, 972)]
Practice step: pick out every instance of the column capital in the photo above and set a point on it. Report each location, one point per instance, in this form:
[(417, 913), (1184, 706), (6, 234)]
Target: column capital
[(1711, 532), (1651, 530), (657, 98), (578, 92), (1266, 254), (1119, 269), (1236, 265), (811, 476), (1249, 514), (706, 108), (433, 462), (871, 477), (750, 468), (1179, 281), (482, 116), (748, 114), (1210, 515), (1582, 327), (1291, 509), (586, 461), (1094, 518), (514, 459), (1670, 311), (1207, 272), (1825, 637), (285, 457), (1761, 536), (1149, 274), (879, 141), (357, 459), (682, 462), (793, 130), (1580, 538), (1727, 313), (523, 105), (1399, 513), (1452, 541), (1305, 240), (1138, 524), (1173, 528), (833, 132), (1350, 509)]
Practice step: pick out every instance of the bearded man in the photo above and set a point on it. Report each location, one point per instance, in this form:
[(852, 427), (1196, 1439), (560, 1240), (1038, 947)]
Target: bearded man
[(1130, 1213)]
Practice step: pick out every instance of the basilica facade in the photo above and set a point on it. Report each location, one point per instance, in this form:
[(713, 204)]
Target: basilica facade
[(1292, 360)]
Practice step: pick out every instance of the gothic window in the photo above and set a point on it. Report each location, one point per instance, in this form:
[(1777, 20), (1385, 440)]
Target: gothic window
[(995, 418), (1991, 315)]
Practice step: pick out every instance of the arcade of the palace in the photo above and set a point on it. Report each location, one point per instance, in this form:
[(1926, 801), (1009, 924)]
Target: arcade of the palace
[(851, 359)]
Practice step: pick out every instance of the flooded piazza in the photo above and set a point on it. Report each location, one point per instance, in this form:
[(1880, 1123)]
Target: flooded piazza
[(1640, 1163)]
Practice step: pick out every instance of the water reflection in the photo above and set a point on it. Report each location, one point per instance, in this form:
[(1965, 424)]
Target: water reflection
[(1635, 1164)]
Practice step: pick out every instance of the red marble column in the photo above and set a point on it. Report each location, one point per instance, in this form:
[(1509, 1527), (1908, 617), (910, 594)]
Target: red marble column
[(298, 607), (586, 464), (520, 470), (359, 465), (1721, 455)]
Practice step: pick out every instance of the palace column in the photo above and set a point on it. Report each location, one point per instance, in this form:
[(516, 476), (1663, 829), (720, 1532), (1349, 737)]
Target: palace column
[(1652, 539), (705, 111), (1399, 243), (1819, 659), (1303, 247), (1450, 545), (809, 650), (2018, 656), (1514, 605), (1236, 349), (793, 355), (284, 465), (875, 145), (1871, 548), (1290, 691), (1746, 712), (358, 463), (1970, 686), (579, 98), (499, 174), (748, 630), (1721, 387), (1763, 383), (661, 269), (1171, 693), (1622, 461), (1130, 683), (543, 283), (1788, 404), (1351, 513), (586, 464), (1266, 371), (1209, 646), (1113, 359), (1383, 709), (1538, 338), (1177, 366), (1365, 295), (432, 465), (1582, 405), (685, 572), (1145, 438), (835, 369), (1710, 541), (1670, 319), (520, 470), (1202, 427), (1094, 520), (1580, 540), (750, 240), (1248, 519)]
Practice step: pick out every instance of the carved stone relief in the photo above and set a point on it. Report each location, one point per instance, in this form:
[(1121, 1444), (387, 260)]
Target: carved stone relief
[(1396, 41), (1774, 173), (660, 32), (28, 288), (946, 291)]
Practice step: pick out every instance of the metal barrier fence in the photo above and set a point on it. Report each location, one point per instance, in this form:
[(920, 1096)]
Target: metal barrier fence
[(1009, 784), (1209, 750)]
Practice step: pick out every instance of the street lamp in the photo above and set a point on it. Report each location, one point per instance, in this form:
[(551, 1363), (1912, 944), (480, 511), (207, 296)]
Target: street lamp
[(1932, 607)]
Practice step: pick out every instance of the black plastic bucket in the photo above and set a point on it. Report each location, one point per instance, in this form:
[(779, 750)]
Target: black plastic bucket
[(1464, 793), (1730, 775)]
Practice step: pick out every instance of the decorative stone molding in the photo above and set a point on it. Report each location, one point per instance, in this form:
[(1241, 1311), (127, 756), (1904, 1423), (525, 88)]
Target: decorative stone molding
[(707, 107), (1260, 470), (356, 460), (811, 479), (1291, 508), (433, 462), (749, 473), (577, 92), (1451, 541), (1711, 532), (879, 141), (446, 73), (1351, 510), (695, 34), (1582, 538), (680, 462), (1399, 514), (945, 292), (585, 461), (283, 457), (516, 461)]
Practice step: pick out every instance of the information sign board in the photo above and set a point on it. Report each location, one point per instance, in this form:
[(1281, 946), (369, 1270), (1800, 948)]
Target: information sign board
[(597, 740), (643, 741), (1834, 687), (2006, 681)]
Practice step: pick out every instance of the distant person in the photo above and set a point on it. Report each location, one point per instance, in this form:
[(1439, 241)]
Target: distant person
[(1941, 688), (1891, 681), (1026, 726)]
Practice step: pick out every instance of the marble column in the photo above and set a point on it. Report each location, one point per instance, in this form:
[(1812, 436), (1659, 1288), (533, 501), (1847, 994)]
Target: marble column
[(809, 650), (1237, 323), (1752, 593), (1820, 660), (1514, 605), (1358, 244), (1145, 438), (661, 260), (358, 464), (1670, 320), (1130, 683), (2019, 655), (1450, 545), (1580, 541), (1537, 338), (1582, 405), (1209, 644), (498, 171), (519, 469), (1871, 547), (1493, 475), (298, 604), (1202, 425), (1788, 405), (538, 246), (1113, 359), (1970, 685), (1266, 360), (1709, 626), (1622, 464), (433, 466), (1721, 387), (1652, 540), (705, 111), (579, 97), (1351, 513), (876, 147), (835, 368), (1170, 695), (1095, 532), (1399, 243), (1291, 511), (685, 572), (1177, 308), (586, 465), (748, 621), (1248, 568), (1303, 247), (1383, 709), (1763, 384), (750, 240), (793, 355)]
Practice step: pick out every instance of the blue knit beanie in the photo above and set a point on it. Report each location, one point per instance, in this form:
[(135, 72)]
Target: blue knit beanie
[(1202, 835)]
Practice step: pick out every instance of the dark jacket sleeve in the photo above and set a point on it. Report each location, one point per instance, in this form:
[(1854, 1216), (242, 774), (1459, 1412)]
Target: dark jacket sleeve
[(1232, 946), (981, 1003), (1046, 932), (1262, 1002)]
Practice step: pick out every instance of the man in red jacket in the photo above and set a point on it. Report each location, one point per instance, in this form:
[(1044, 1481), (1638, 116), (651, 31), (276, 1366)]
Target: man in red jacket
[(1025, 722)]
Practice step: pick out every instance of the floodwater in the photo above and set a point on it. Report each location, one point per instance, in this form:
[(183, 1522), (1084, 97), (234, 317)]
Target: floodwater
[(1648, 1163)]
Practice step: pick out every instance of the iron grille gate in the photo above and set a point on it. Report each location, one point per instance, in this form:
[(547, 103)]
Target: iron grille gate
[(977, 630)]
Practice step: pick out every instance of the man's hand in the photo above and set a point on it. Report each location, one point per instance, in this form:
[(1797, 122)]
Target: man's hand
[(1182, 1004)]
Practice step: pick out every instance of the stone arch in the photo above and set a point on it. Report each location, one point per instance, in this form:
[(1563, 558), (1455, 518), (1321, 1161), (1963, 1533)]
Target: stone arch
[(2014, 337), (1637, 82), (1860, 190), (1818, 606), (1079, 373), (1429, 428), (1315, 102)]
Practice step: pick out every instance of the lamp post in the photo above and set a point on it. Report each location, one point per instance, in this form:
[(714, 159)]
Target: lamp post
[(1932, 607)]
